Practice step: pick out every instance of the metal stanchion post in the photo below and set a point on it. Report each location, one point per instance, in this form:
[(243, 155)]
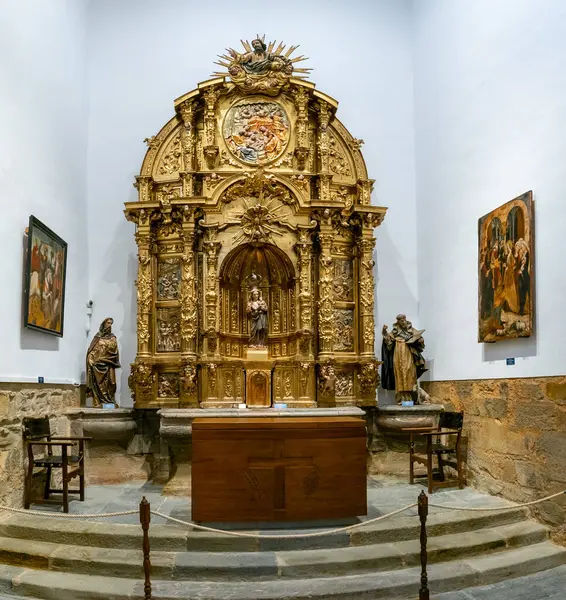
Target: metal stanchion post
[(424, 593), (145, 517)]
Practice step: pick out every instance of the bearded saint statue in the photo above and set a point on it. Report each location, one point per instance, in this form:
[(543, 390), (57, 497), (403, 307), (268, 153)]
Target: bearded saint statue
[(102, 360), (403, 362)]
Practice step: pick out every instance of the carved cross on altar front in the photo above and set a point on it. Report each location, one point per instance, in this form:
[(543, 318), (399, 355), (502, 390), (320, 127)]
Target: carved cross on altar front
[(279, 463)]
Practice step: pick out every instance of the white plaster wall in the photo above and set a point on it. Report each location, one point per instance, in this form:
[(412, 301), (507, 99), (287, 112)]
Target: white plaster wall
[(143, 54), (490, 124), (42, 172)]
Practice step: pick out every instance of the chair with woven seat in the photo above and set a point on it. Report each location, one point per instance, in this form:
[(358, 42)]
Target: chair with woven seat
[(438, 444), (37, 434)]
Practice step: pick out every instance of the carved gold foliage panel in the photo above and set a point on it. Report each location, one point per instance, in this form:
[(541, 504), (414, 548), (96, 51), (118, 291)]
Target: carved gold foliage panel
[(170, 161)]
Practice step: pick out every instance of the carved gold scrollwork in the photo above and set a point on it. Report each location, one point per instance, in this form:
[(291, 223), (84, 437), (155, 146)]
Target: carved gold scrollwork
[(326, 296), (212, 249), (305, 370), (188, 381), (210, 148), (211, 369), (188, 294), (368, 377), (338, 163), (171, 161), (301, 98), (144, 289), (144, 185), (365, 187), (141, 382), (366, 288), (187, 111)]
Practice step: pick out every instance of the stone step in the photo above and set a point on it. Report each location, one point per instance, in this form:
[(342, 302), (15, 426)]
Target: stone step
[(391, 585), (231, 566), (178, 538)]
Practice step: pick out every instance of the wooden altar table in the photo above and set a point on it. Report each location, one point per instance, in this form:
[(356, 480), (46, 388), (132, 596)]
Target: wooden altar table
[(278, 468)]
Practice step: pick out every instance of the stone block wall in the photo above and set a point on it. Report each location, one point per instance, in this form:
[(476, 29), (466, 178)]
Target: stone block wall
[(515, 434), (27, 400)]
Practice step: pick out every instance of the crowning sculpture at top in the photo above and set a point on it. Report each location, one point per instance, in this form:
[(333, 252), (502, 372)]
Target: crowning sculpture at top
[(255, 237), (261, 68)]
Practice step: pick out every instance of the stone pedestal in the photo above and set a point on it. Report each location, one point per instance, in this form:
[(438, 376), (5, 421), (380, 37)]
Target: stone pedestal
[(388, 444), (115, 454)]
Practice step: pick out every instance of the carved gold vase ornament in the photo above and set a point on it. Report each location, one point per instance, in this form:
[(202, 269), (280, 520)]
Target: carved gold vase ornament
[(255, 237)]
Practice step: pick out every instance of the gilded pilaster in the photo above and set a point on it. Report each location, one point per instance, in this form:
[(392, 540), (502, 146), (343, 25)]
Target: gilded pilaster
[(304, 251), (189, 319), (326, 295), (366, 293), (301, 97), (210, 147), (144, 285), (323, 147), (187, 111), (212, 250), (144, 185)]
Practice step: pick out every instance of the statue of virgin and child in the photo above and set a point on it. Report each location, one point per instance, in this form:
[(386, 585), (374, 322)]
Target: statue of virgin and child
[(257, 312)]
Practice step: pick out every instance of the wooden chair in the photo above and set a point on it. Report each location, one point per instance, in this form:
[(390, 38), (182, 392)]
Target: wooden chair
[(37, 432), (449, 425)]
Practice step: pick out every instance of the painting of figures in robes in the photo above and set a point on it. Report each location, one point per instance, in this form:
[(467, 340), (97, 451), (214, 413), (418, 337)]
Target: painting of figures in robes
[(44, 286), (506, 271)]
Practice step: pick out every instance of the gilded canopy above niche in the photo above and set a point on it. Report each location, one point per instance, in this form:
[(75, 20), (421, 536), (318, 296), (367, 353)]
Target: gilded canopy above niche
[(254, 173)]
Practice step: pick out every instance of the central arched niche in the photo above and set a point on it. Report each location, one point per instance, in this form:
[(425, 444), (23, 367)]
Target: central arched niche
[(277, 288)]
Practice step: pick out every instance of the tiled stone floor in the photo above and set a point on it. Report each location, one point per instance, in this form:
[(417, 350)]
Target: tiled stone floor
[(385, 494)]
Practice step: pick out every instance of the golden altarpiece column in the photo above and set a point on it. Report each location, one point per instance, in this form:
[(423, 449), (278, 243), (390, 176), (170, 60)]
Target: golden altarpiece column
[(255, 238)]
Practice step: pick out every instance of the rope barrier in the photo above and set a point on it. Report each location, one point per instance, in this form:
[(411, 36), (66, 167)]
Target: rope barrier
[(41, 513), (290, 536), (497, 508)]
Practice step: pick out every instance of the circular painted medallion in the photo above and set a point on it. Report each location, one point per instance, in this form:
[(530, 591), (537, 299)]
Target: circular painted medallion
[(256, 131)]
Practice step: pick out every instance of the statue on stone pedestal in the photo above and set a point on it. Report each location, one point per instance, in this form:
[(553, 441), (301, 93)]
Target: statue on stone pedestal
[(102, 360), (257, 310), (403, 362)]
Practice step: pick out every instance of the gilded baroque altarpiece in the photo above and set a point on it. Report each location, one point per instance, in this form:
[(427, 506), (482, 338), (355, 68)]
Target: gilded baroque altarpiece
[(254, 186)]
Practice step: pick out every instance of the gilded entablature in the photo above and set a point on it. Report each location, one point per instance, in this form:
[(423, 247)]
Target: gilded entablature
[(254, 194)]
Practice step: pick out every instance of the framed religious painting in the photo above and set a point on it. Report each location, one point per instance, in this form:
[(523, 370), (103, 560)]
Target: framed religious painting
[(45, 273), (506, 271)]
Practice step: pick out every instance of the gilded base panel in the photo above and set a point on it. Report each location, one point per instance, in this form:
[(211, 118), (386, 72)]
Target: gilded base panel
[(514, 436)]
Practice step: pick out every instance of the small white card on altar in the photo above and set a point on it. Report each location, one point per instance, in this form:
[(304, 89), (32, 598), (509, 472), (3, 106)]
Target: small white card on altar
[(242, 406)]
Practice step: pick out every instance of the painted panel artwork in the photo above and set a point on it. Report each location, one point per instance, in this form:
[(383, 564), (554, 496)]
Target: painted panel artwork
[(256, 131), (44, 286), (506, 271)]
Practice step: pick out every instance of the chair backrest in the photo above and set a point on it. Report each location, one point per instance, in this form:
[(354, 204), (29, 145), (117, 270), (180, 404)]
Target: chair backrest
[(451, 420), (36, 428)]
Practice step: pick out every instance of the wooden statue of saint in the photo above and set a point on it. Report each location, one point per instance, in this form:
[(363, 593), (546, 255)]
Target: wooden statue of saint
[(403, 362), (257, 310), (102, 360)]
